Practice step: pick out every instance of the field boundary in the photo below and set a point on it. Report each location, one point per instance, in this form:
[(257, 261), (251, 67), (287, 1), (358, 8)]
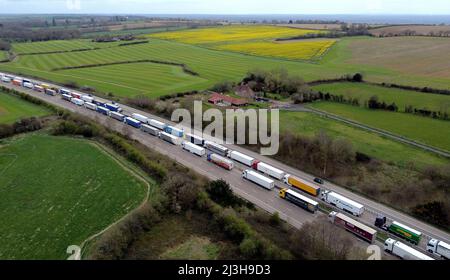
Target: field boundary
[(182, 65)]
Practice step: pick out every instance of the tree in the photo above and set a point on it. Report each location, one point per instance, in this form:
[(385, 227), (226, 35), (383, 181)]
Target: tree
[(373, 102), (357, 78), (322, 240), (181, 192)]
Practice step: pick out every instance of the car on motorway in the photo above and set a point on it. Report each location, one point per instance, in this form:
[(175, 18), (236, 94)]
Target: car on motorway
[(318, 181)]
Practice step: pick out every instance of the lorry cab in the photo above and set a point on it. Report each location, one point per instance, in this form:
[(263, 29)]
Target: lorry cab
[(282, 193), (431, 245)]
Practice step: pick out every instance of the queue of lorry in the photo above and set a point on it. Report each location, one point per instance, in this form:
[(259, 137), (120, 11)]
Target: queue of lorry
[(259, 173)]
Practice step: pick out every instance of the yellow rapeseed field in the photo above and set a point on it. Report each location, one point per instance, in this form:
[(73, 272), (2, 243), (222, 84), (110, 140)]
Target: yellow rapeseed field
[(253, 39), (231, 33), (299, 50)]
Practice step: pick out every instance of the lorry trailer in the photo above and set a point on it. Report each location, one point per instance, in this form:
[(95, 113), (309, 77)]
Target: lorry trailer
[(170, 138), (132, 122), (242, 158), (150, 130), (113, 107), (77, 101), (67, 97), (174, 131), (159, 125), (6, 79), (258, 179), (301, 184), (64, 91), (38, 88), (355, 227), (220, 161), (196, 150), (17, 82), (99, 103), (269, 170), (405, 232), (216, 148), (343, 203), (439, 248), (299, 200), (87, 98), (403, 251), (117, 116), (50, 92), (28, 85), (76, 95), (141, 118), (197, 140), (90, 106), (103, 110)]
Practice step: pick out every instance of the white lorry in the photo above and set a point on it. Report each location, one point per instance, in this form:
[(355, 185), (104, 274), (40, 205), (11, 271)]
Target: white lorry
[(90, 106), (258, 179), (150, 130), (439, 248), (343, 203), (77, 101), (403, 251), (170, 138), (141, 118), (240, 157), (270, 170), (196, 150)]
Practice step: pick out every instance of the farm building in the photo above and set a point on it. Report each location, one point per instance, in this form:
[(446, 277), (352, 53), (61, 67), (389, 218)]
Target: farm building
[(245, 91), (221, 99)]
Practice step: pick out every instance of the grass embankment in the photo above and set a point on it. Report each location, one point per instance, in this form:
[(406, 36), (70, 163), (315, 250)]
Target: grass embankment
[(369, 143), (57, 192), (422, 129), (402, 98), (13, 108)]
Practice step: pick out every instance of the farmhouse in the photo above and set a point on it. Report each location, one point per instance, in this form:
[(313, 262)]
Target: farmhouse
[(244, 91), (221, 99)]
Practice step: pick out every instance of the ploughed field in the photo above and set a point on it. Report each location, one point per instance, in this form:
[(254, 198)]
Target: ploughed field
[(57, 192), (13, 109)]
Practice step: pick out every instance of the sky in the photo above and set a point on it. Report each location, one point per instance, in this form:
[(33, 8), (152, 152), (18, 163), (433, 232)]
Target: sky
[(428, 7)]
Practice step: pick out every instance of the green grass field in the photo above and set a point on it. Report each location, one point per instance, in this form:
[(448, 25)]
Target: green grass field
[(59, 45), (13, 108), (213, 66), (308, 124), (56, 192), (426, 130), (149, 79), (403, 98), (3, 55)]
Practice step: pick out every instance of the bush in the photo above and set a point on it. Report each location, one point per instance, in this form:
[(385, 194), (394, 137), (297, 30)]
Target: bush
[(220, 191)]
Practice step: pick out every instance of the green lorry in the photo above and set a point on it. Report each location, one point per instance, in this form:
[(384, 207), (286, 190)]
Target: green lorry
[(405, 232)]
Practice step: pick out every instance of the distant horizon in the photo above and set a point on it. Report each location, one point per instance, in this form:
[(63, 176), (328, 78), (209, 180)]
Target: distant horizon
[(400, 19)]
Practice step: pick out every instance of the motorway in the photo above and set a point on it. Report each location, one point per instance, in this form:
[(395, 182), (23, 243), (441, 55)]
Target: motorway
[(267, 200)]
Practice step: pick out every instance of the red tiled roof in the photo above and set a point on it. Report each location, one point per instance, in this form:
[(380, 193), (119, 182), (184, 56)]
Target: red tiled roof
[(217, 97)]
